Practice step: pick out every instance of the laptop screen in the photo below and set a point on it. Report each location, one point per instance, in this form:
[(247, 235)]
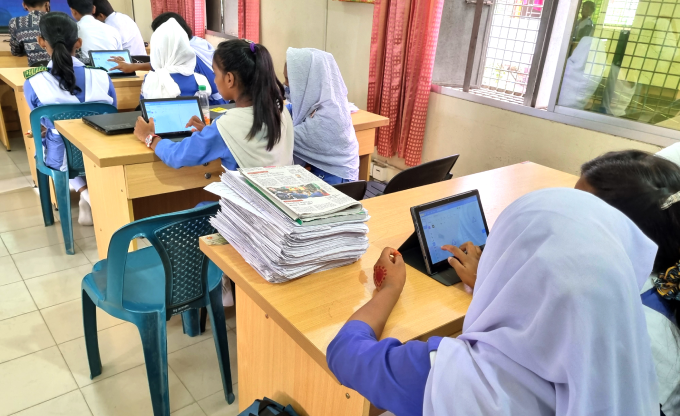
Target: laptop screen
[(454, 223), (100, 59), (171, 116)]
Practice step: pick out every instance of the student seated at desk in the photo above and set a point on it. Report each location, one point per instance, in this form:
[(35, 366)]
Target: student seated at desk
[(24, 31), (173, 61), (95, 35), (258, 132), (65, 81), (325, 139), (555, 326), (129, 32)]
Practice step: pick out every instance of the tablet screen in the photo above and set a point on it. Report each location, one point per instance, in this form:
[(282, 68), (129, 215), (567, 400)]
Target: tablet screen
[(452, 223), (171, 116), (100, 59)]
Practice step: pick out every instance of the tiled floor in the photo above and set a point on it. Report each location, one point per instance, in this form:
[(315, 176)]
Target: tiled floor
[(43, 366)]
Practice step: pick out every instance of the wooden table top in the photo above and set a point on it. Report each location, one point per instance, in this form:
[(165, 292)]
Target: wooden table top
[(14, 77), (312, 309), (126, 149), (4, 46)]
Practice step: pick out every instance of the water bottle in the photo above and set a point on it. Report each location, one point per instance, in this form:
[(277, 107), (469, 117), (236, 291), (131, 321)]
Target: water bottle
[(204, 101)]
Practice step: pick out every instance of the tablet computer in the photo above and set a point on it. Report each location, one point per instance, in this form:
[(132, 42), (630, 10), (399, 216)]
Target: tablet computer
[(171, 115), (100, 59), (453, 221)]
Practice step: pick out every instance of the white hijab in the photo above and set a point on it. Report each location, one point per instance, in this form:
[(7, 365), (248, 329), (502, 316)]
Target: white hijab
[(325, 139), (556, 325), (203, 49), (170, 54)]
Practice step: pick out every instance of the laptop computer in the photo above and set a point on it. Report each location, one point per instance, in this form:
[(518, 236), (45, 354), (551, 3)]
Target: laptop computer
[(171, 115), (115, 123), (100, 59)]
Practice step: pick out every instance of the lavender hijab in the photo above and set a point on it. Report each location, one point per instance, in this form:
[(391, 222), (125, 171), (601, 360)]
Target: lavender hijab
[(556, 325)]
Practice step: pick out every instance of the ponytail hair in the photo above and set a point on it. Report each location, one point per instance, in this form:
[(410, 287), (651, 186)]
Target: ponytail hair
[(61, 33), (253, 69)]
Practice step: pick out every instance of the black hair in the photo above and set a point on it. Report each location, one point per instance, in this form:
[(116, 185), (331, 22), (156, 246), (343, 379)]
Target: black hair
[(103, 7), (83, 7), (164, 17), (35, 3), (253, 69), (589, 4), (61, 33)]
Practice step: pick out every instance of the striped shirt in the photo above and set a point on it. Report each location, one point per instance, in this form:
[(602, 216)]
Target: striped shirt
[(24, 32)]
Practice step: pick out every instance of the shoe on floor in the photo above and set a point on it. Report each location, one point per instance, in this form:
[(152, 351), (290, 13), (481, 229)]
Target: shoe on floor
[(85, 214)]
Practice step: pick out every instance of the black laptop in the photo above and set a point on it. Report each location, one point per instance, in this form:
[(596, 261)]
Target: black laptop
[(100, 59)]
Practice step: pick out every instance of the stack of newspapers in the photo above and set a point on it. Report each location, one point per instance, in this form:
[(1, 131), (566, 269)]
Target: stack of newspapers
[(288, 223)]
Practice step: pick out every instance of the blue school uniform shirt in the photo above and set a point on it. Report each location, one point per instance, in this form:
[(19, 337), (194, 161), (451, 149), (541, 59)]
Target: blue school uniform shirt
[(391, 375), (199, 148), (53, 144), (189, 87), (206, 71)]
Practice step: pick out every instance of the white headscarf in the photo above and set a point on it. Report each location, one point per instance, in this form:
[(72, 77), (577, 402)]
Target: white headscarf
[(556, 325), (170, 54), (325, 139), (203, 49)]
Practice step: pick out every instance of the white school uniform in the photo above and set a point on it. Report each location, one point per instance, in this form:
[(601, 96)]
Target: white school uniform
[(129, 32), (98, 36)]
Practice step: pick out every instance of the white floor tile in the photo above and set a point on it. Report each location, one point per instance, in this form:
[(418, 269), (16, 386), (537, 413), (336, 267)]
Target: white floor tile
[(3, 249), (127, 394), (120, 348), (8, 271), (197, 366), (216, 405), (21, 218), (89, 247), (192, 410), (21, 199), (32, 238), (13, 181), (15, 300), (65, 320), (55, 288), (51, 259), (23, 335), (177, 339), (33, 379), (70, 404), (7, 166)]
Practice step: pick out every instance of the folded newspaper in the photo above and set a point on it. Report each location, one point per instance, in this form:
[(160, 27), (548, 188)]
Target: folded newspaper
[(278, 247), (301, 195)]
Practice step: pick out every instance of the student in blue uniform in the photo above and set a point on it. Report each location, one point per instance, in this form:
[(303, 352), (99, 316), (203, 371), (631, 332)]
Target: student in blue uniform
[(173, 63), (66, 80), (555, 327)]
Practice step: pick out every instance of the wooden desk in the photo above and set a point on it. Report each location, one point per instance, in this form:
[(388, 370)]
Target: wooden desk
[(283, 330), (7, 60), (127, 93), (127, 181), (365, 125)]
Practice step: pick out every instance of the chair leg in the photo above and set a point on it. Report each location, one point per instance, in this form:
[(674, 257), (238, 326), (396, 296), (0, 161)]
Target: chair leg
[(64, 201), (91, 338), (45, 203), (152, 329), (190, 323), (204, 316), (219, 328)]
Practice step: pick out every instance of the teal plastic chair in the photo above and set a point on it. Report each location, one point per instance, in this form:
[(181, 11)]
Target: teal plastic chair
[(148, 286), (74, 159)]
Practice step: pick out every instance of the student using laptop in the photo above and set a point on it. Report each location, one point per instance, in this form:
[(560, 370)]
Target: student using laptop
[(65, 81), (555, 327), (95, 35), (24, 30), (127, 28), (258, 132)]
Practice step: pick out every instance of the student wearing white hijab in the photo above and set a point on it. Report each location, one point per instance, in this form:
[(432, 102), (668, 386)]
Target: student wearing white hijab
[(173, 62), (324, 135), (555, 327)]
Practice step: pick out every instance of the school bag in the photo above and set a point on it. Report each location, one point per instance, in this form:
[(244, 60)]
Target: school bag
[(268, 407)]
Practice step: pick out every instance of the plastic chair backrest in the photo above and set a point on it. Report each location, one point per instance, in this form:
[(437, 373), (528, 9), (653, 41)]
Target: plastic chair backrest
[(425, 174), (354, 190), (54, 112), (175, 238)]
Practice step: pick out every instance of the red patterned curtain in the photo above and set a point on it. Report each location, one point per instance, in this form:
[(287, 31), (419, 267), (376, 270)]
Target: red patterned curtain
[(403, 45), (193, 11), (249, 20)]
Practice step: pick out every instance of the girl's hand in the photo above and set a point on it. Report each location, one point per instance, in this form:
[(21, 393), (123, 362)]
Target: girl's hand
[(389, 271), (121, 65), (196, 124), (143, 129), (465, 261)]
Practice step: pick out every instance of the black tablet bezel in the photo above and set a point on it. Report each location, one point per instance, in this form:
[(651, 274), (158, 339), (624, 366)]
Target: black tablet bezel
[(143, 102), (110, 51), (415, 214)]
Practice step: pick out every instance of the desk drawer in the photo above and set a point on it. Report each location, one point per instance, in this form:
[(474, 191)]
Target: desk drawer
[(155, 178)]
